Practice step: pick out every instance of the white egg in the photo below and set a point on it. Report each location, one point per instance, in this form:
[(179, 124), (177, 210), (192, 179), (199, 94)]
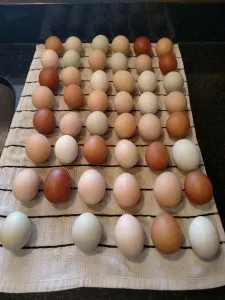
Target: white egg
[(129, 236), (91, 187), (101, 42), (118, 62), (186, 155), (99, 81), (66, 149), (173, 81), (73, 43), (15, 231), (147, 81), (71, 58), (147, 103), (97, 123), (149, 127), (126, 153), (49, 59), (87, 232), (203, 237)]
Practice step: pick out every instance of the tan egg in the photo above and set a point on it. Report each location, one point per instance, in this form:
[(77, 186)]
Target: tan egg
[(149, 127), (73, 96), (143, 63), (123, 102), (97, 101), (126, 153), (97, 60), (178, 125), (97, 123), (121, 44), (71, 124), (42, 97), (49, 59), (38, 148), (164, 46), (175, 101), (70, 75), (54, 43), (125, 126), (123, 81), (73, 43)]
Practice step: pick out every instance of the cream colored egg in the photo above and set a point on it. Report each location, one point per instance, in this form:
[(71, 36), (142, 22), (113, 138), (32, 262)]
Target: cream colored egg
[(147, 81), (71, 124), (49, 59), (66, 149), (121, 44), (42, 97), (148, 103), (126, 153), (175, 101), (97, 101), (97, 60), (123, 102), (101, 42), (71, 59), (123, 81), (97, 123), (149, 127), (70, 75), (143, 63), (73, 43), (173, 81), (99, 81), (118, 61)]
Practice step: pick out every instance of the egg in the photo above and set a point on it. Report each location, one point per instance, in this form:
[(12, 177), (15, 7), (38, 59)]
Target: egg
[(118, 61), (157, 156), (73, 43), (66, 149), (166, 233), (15, 231), (44, 121), (149, 127), (173, 81), (99, 81), (71, 58), (87, 232), (186, 155), (167, 63), (42, 97), (125, 126), (148, 103), (129, 236), (142, 45), (54, 43), (204, 238), (70, 75), (175, 101), (57, 185), (97, 100), (71, 124), (121, 44), (123, 102), (97, 123), (49, 59), (91, 187), (101, 42), (97, 60), (143, 63), (73, 96), (95, 150), (126, 190), (38, 148), (198, 187), (167, 190), (126, 153), (178, 125), (49, 77), (147, 81), (25, 185), (164, 46), (123, 81)]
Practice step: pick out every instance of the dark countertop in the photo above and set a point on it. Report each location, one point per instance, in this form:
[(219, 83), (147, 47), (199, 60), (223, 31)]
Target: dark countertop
[(205, 69)]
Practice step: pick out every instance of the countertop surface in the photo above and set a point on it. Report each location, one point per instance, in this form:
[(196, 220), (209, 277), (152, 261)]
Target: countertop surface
[(205, 69)]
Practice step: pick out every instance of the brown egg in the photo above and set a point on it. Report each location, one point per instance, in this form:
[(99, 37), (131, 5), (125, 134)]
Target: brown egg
[(49, 77), (123, 81), (164, 46), (57, 185), (175, 101), (167, 63), (97, 100), (198, 187), (142, 45), (73, 96), (178, 125), (143, 63), (125, 126), (54, 43), (97, 60), (38, 148), (166, 234), (157, 156), (95, 150), (44, 121)]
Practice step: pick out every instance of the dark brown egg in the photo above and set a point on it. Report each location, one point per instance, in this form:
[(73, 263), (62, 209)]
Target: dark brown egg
[(49, 77), (95, 150), (44, 121), (54, 43), (167, 63), (198, 187), (157, 156), (57, 185), (178, 125), (73, 96), (142, 45)]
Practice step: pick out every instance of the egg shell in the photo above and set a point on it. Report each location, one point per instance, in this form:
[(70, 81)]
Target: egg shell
[(167, 63), (97, 123), (148, 103), (101, 42), (97, 60), (73, 96), (178, 125), (38, 148), (49, 59), (99, 81), (126, 153), (57, 185), (54, 43), (87, 232), (164, 46), (95, 150), (71, 124), (149, 127), (142, 45), (198, 187), (143, 63), (123, 102), (175, 101), (204, 238), (157, 156), (42, 97), (166, 234), (125, 126), (97, 101), (66, 149), (147, 81), (15, 231), (49, 77), (129, 236), (91, 187), (71, 58), (70, 75), (123, 81), (73, 43), (44, 121), (173, 81), (120, 43), (118, 61)]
